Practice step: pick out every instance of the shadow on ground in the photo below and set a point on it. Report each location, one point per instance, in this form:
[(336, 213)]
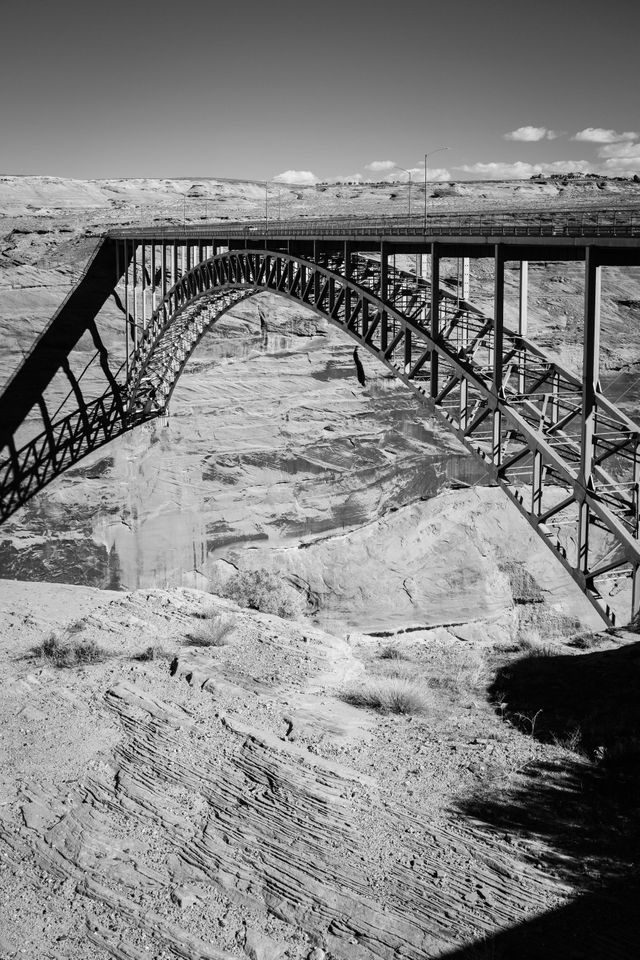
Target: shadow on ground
[(579, 813)]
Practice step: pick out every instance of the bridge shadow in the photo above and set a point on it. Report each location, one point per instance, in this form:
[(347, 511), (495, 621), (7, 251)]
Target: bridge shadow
[(603, 925), (579, 813)]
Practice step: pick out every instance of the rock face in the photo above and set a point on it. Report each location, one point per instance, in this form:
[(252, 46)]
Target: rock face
[(236, 801)]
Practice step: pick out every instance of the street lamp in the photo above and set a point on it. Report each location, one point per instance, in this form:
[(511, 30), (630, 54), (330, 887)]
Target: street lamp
[(266, 199), (426, 168), (408, 172)]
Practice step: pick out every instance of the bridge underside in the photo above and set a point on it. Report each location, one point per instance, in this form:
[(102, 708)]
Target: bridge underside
[(565, 455)]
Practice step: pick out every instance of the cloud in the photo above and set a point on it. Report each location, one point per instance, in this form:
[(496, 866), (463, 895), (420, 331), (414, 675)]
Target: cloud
[(354, 178), (379, 166), (523, 171), (438, 174), (531, 134), (599, 135), (417, 174), (621, 159), (296, 176), (624, 151)]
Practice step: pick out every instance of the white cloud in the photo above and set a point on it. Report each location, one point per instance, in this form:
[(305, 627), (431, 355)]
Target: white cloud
[(354, 178), (379, 166), (531, 134), (438, 174), (625, 163), (417, 175), (296, 176), (599, 135), (523, 171), (399, 175), (625, 151)]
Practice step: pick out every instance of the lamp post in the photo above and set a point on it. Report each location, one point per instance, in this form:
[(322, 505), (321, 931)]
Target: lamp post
[(266, 199), (408, 172), (426, 177)]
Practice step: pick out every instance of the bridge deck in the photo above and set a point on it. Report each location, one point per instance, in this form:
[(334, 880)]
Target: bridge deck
[(524, 235), (544, 224)]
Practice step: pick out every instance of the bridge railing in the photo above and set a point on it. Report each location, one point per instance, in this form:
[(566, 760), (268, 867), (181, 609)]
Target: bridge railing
[(622, 223)]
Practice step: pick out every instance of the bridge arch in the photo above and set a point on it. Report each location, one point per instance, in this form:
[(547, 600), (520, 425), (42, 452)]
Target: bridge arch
[(565, 456), (176, 326)]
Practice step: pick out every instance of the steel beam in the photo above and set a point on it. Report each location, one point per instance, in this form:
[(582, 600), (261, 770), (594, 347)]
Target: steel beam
[(435, 315), (590, 387), (590, 363)]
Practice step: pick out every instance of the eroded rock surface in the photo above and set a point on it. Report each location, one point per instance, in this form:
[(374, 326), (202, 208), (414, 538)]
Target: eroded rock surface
[(234, 802)]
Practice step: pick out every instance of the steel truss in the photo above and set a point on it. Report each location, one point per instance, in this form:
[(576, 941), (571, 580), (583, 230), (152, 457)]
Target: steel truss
[(564, 455)]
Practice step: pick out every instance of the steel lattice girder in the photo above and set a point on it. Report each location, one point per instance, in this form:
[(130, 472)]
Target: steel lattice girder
[(460, 363)]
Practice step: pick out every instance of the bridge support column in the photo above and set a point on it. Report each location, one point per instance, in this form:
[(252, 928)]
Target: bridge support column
[(348, 251), (590, 385), (523, 297), (536, 486), (143, 281), (435, 315), (126, 307), (153, 278), (384, 291), (635, 594), (465, 278), (134, 284), (498, 319), (498, 350)]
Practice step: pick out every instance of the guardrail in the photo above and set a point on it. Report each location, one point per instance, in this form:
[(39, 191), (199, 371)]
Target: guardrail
[(587, 223)]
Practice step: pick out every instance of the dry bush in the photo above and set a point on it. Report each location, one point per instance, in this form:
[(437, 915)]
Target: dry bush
[(458, 669), (153, 652), (539, 621), (396, 668), (534, 647), (389, 695), (392, 651), (264, 591), (71, 653), (587, 641), (570, 741), (208, 612), (213, 632)]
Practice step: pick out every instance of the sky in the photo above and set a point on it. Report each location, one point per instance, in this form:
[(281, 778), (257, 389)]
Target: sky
[(319, 91)]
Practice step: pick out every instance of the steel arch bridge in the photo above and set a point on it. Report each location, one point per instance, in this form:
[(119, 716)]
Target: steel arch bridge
[(560, 450)]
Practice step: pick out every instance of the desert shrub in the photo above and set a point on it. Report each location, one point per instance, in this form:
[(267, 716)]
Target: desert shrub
[(587, 641), (264, 591), (533, 646), (153, 652), (215, 631), (206, 613), (391, 651), (455, 668), (396, 668), (72, 653), (572, 740), (390, 695)]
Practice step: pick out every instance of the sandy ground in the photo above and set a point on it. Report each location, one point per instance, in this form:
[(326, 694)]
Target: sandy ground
[(225, 801)]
